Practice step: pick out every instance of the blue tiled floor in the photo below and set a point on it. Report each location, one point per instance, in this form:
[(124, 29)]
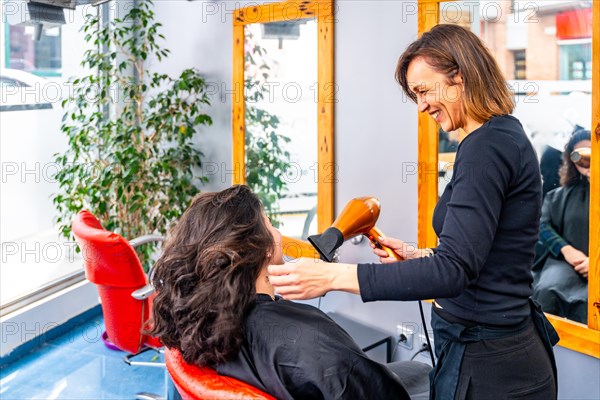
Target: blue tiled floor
[(78, 366)]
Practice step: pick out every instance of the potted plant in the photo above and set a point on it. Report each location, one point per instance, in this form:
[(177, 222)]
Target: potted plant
[(131, 159)]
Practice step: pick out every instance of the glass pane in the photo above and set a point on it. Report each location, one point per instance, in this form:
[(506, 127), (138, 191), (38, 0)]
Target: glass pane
[(28, 54), (33, 77), (281, 122), (544, 50)]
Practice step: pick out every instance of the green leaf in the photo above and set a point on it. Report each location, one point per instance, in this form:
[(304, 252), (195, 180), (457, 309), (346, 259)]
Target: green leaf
[(202, 119)]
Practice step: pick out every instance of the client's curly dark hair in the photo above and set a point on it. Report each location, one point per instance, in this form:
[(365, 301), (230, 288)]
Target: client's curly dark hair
[(206, 275)]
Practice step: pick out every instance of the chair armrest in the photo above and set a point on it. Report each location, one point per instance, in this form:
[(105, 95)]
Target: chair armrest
[(146, 291), (138, 241), (143, 292)]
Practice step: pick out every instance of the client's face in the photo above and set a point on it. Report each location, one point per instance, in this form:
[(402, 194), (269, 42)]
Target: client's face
[(277, 257)]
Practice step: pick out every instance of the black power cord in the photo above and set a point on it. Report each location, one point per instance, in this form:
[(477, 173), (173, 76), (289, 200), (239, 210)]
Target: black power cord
[(426, 335), (424, 348)]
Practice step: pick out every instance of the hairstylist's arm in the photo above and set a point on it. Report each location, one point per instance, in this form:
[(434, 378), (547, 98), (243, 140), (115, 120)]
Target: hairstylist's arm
[(307, 278)]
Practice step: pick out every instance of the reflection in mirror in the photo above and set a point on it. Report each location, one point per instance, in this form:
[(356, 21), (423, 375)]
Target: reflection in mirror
[(280, 81), (447, 145), (544, 49)]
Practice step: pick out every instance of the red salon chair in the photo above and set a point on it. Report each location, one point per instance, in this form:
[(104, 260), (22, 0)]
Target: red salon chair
[(113, 266), (195, 383)]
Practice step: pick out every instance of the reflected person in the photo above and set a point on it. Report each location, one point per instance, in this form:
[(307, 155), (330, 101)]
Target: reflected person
[(561, 271)]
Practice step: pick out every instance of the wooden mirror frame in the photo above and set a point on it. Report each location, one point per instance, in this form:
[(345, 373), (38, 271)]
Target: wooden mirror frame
[(573, 335), (322, 11)]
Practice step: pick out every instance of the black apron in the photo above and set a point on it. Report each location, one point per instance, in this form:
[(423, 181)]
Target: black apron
[(452, 338)]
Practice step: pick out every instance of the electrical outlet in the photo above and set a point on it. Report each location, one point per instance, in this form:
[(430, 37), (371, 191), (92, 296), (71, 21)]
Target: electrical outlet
[(423, 340), (406, 334)]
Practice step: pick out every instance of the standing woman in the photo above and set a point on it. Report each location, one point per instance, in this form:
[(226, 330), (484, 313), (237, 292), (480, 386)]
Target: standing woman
[(490, 340)]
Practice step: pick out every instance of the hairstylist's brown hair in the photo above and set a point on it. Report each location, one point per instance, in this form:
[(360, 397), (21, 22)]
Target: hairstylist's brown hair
[(453, 50), (206, 275)]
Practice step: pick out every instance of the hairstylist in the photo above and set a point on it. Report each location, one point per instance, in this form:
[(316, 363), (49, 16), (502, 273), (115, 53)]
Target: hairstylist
[(491, 341)]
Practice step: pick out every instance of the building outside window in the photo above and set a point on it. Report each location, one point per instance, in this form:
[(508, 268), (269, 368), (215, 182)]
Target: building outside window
[(574, 34), (41, 57)]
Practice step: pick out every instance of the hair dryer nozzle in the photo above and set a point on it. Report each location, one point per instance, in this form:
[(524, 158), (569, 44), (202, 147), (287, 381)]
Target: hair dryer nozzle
[(327, 243)]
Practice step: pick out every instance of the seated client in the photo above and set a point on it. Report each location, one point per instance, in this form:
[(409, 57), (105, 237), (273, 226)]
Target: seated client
[(216, 306)]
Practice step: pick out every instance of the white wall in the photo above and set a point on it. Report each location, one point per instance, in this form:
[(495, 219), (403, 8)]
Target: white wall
[(375, 135), (375, 139)]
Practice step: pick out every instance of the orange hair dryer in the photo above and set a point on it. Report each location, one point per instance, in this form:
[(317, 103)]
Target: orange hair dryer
[(357, 218)]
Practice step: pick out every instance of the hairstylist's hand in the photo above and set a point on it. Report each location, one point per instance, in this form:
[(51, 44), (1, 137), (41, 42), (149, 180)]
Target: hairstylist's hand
[(573, 256), (583, 267), (405, 250), (307, 278)]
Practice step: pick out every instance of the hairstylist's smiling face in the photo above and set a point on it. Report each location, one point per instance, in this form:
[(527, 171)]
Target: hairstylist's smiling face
[(435, 96)]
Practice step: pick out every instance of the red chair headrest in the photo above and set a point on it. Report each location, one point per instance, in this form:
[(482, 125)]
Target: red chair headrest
[(109, 259), (194, 383)]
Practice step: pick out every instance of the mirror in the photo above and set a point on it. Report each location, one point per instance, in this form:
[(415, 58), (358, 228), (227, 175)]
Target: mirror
[(545, 52), (283, 123), (280, 74)]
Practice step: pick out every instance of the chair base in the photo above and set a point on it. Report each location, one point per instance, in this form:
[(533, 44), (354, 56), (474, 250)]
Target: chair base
[(128, 359), (109, 345)]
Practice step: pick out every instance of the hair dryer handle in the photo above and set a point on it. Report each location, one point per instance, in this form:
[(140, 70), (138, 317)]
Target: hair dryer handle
[(373, 235)]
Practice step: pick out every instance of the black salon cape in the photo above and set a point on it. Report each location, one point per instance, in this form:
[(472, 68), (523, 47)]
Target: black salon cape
[(295, 351)]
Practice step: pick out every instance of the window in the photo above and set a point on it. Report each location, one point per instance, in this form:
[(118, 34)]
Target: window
[(33, 78), (41, 57), (575, 61), (520, 65)]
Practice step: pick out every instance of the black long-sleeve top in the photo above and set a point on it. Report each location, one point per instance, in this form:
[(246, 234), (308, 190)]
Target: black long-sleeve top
[(295, 351), (487, 221)]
